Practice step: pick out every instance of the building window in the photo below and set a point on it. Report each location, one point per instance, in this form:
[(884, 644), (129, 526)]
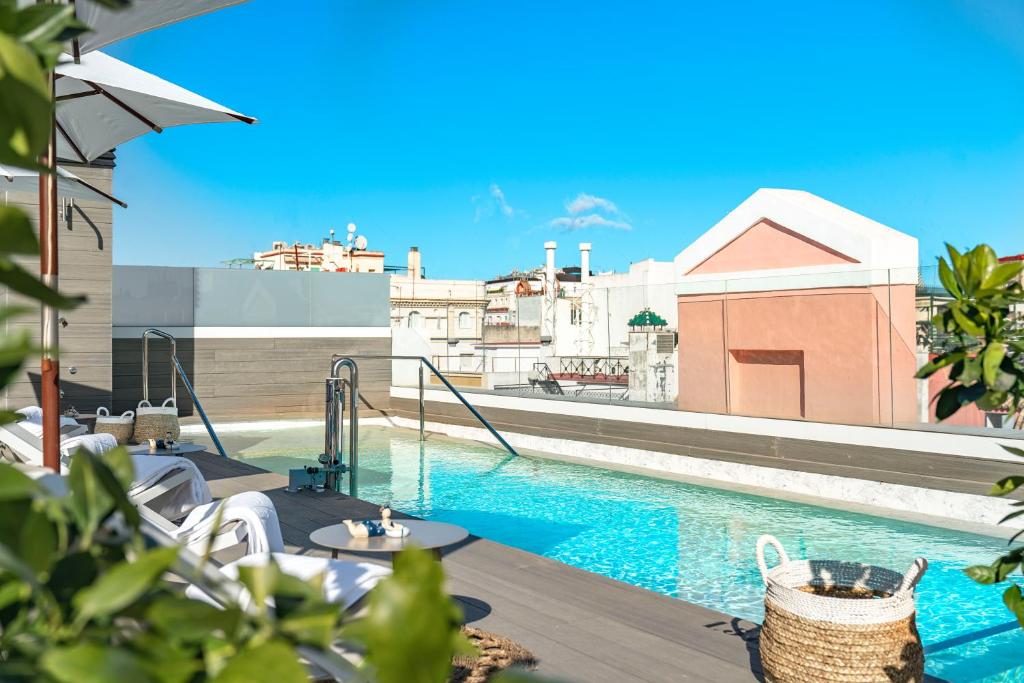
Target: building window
[(415, 320), (465, 321)]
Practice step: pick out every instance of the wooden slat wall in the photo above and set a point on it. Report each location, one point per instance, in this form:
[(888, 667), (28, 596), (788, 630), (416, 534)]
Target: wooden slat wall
[(85, 268), (250, 378)]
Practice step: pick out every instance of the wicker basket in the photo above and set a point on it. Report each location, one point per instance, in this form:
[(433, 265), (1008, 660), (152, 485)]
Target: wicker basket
[(120, 426), (153, 422), (838, 622)]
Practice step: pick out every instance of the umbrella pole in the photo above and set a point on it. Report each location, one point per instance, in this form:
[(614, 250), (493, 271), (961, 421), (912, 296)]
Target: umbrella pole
[(49, 365)]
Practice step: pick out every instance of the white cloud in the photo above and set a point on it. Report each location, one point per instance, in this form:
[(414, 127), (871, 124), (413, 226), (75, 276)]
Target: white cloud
[(499, 200), (590, 220), (494, 202), (589, 202), (591, 211)]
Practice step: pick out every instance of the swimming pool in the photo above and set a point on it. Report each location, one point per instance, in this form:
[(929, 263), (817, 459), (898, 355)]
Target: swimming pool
[(688, 541)]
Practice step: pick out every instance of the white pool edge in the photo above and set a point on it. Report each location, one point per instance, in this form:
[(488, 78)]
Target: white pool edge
[(900, 498)]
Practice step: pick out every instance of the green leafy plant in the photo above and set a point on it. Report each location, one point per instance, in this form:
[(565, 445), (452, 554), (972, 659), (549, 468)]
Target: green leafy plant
[(985, 358)]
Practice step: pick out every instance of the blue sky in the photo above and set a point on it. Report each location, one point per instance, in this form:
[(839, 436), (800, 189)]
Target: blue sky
[(470, 129)]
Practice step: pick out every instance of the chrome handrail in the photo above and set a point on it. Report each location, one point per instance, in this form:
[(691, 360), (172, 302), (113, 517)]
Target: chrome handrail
[(176, 371), (334, 421), (444, 380)]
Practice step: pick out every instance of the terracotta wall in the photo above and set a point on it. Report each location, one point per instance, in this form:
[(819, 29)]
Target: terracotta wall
[(817, 354)]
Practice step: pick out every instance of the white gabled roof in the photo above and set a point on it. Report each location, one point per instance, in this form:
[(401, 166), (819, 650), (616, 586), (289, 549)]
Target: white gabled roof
[(875, 247)]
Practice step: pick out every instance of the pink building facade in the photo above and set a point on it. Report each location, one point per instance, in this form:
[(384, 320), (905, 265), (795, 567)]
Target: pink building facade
[(793, 307)]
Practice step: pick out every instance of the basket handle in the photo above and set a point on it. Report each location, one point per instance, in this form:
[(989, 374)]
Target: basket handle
[(129, 414), (102, 412), (145, 404), (913, 575), (170, 400), (768, 539)]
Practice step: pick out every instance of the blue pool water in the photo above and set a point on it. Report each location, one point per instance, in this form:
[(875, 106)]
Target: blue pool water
[(688, 541)]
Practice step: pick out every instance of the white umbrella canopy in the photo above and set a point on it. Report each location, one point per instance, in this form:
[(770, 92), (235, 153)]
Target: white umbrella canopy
[(109, 26), (103, 102), (69, 185)]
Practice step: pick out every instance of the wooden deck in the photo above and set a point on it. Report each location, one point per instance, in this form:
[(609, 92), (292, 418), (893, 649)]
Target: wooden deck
[(580, 626)]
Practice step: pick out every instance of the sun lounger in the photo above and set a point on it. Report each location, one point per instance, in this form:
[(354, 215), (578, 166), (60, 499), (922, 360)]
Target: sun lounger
[(170, 485)]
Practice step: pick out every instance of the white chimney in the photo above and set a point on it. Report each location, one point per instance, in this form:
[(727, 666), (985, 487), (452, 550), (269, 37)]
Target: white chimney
[(585, 263), (414, 263), (549, 268)]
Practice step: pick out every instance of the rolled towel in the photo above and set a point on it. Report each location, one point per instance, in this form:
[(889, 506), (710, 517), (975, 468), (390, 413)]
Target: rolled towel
[(252, 508), (33, 423)]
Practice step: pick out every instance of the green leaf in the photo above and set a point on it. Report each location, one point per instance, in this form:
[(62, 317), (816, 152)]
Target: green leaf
[(991, 359), (44, 23), (112, 484), (16, 233), (948, 403), (122, 585), (94, 663), (1014, 601), (16, 485), (261, 581), (939, 362), (25, 105), (20, 280), (1004, 566), (38, 541), (314, 624), (411, 629), (274, 660), (1014, 451), (965, 323), (948, 279), (191, 620), (1003, 273), (981, 573), (1006, 485)]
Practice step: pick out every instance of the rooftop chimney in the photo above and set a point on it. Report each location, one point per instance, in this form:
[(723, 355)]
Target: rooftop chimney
[(585, 263), (414, 263), (549, 268)]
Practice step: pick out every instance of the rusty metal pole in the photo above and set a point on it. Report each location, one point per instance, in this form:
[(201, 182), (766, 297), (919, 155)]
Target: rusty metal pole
[(49, 337)]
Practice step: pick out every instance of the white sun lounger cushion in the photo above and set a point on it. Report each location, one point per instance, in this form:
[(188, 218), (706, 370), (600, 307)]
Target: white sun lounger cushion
[(345, 582)]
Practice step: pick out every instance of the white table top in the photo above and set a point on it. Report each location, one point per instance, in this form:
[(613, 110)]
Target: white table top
[(421, 533), (179, 449)]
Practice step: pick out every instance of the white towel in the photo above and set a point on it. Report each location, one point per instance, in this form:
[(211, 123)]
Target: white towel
[(345, 582), (150, 469), (253, 509), (97, 444)]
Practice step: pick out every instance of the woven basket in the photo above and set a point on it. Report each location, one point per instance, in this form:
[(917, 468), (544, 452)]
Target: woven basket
[(153, 422), (120, 426), (840, 622)]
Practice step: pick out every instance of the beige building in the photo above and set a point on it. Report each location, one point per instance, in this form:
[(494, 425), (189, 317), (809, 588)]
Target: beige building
[(331, 256), (447, 314)]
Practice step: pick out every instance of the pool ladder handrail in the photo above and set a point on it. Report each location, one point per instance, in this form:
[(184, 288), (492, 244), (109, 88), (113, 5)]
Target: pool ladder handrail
[(334, 424), (423, 362), (176, 371)]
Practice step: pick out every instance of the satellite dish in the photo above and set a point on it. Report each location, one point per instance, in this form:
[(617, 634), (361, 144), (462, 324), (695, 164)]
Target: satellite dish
[(360, 243), (351, 227)]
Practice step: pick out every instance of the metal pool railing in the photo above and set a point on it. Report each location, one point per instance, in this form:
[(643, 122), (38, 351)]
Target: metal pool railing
[(176, 371), (424, 363)]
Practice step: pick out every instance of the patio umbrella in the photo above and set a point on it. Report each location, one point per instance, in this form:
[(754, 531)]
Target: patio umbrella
[(103, 102), (100, 103), (109, 26), (68, 185)]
